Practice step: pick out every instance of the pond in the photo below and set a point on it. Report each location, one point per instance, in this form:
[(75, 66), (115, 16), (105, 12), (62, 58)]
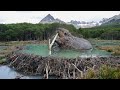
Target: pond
[(9, 73), (42, 50)]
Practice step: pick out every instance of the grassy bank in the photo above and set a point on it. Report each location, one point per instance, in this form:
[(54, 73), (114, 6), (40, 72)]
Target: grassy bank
[(115, 50), (112, 46)]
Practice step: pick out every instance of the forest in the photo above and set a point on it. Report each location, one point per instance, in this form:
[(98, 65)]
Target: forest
[(105, 32), (28, 31)]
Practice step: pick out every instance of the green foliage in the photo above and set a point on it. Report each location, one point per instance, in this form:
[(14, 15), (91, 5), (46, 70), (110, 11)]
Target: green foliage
[(107, 72), (90, 74), (108, 32), (3, 60), (111, 35), (28, 31)]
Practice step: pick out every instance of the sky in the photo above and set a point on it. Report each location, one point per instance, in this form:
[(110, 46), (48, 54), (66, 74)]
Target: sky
[(35, 16)]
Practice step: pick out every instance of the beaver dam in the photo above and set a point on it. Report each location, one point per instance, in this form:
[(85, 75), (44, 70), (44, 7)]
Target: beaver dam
[(65, 59), (71, 64), (63, 68)]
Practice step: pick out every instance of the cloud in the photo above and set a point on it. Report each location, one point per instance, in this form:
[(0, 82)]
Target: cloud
[(36, 16), (2, 21)]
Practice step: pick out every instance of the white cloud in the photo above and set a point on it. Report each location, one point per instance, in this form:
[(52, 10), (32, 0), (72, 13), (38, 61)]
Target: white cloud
[(36, 16)]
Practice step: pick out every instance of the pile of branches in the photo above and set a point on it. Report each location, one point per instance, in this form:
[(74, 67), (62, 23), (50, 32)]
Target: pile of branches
[(63, 68)]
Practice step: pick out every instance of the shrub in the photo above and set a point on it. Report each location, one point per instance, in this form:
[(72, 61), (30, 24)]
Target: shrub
[(90, 74), (107, 72)]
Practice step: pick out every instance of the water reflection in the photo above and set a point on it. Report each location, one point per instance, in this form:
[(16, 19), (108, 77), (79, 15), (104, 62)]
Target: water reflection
[(8, 73)]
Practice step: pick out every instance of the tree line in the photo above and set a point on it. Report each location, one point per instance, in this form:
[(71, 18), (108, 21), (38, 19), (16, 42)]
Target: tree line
[(28, 31), (107, 32)]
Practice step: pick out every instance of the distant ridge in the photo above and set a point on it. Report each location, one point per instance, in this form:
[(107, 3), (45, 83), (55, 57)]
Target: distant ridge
[(50, 19), (114, 19), (77, 24)]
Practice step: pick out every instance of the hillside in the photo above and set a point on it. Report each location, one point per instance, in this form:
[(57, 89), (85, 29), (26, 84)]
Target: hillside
[(113, 20), (106, 31)]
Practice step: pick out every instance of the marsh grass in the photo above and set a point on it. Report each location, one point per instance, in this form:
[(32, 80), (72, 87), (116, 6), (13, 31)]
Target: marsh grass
[(90, 74), (115, 50), (107, 72)]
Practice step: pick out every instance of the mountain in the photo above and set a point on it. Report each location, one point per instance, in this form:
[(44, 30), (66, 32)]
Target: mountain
[(78, 24), (83, 24), (114, 19), (50, 19)]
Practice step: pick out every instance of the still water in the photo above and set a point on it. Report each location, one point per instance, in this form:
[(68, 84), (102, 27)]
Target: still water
[(43, 51), (9, 73)]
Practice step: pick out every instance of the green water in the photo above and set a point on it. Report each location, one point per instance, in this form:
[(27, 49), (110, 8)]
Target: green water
[(36, 49), (42, 50)]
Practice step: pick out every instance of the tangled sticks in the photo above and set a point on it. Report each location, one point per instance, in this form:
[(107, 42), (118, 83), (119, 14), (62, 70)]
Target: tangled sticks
[(63, 68)]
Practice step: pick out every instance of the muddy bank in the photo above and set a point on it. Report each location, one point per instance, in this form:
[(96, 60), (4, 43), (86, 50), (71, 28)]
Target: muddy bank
[(61, 67)]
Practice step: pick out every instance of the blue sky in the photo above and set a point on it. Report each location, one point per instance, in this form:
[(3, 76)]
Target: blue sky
[(36, 16)]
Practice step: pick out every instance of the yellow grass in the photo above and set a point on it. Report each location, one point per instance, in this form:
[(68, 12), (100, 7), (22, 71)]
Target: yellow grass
[(114, 49)]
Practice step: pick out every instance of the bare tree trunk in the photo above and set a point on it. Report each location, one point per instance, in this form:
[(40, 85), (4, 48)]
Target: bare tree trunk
[(68, 70), (46, 71), (78, 70), (74, 73)]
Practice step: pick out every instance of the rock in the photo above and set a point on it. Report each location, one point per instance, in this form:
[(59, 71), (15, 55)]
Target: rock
[(66, 40)]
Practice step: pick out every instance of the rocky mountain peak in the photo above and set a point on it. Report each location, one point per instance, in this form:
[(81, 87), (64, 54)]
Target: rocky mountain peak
[(78, 24), (114, 19), (48, 18)]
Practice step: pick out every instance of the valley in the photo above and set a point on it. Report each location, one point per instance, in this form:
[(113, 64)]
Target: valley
[(82, 49)]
